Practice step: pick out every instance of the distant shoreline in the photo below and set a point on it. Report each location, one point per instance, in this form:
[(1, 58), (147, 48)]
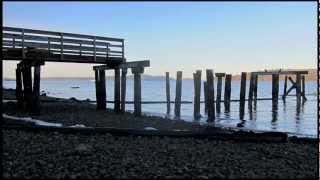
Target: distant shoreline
[(311, 76)]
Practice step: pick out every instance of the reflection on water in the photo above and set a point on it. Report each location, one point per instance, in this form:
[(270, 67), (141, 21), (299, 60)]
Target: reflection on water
[(287, 116)]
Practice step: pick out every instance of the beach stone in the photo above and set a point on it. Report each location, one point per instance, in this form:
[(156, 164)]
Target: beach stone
[(83, 149)]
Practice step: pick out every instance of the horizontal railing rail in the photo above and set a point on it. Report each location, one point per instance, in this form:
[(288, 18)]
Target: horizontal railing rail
[(60, 43)]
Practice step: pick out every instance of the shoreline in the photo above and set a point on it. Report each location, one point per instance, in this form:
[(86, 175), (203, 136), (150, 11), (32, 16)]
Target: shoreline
[(160, 122), (66, 154)]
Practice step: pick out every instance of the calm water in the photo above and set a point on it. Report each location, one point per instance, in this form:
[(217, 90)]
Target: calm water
[(288, 118)]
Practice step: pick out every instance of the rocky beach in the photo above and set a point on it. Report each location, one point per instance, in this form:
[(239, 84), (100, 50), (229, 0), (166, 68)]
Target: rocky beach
[(52, 154)]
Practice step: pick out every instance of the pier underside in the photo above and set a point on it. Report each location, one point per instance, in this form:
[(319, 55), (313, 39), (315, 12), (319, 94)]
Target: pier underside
[(32, 54)]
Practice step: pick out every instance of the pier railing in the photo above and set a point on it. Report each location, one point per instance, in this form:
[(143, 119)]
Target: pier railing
[(63, 46)]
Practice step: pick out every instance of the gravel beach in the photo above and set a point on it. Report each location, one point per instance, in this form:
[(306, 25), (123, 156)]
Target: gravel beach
[(70, 112), (55, 155)]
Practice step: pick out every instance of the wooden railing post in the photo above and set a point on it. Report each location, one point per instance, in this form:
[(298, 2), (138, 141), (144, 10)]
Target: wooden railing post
[(61, 46), (122, 50), (107, 50), (94, 47), (22, 43)]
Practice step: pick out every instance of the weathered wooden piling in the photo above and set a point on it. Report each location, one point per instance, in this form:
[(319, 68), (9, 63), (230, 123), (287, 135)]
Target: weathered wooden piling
[(285, 88), (255, 91), (275, 89), (27, 86), (36, 89), (197, 94), (100, 89), (227, 92), (19, 92), (242, 94), (117, 90), (250, 95), (137, 71), (123, 89), (303, 88), (205, 97), (97, 84), (177, 105), (210, 94), (298, 88), (168, 92), (219, 88)]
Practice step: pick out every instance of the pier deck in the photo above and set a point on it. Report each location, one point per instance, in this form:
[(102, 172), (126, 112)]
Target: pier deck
[(29, 44)]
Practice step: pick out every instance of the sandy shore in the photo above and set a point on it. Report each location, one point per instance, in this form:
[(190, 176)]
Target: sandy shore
[(56, 155)]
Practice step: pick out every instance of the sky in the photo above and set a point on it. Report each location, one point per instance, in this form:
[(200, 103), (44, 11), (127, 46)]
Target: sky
[(229, 37)]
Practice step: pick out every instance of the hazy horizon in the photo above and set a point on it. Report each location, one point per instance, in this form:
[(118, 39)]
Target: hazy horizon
[(227, 37)]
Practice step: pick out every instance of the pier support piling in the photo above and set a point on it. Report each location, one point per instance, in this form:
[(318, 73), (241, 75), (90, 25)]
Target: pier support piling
[(19, 92), (177, 105), (36, 89), (250, 95), (197, 94), (303, 89), (275, 89), (255, 91), (123, 89), (27, 87), (242, 94), (210, 94), (298, 88), (100, 89), (285, 88), (219, 88), (227, 92), (168, 92), (137, 71), (205, 90), (117, 90)]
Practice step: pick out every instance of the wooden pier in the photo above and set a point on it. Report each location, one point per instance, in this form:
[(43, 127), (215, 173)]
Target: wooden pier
[(35, 47)]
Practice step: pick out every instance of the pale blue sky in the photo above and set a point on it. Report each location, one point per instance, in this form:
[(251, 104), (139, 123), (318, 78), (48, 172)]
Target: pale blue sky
[(225, 36)]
